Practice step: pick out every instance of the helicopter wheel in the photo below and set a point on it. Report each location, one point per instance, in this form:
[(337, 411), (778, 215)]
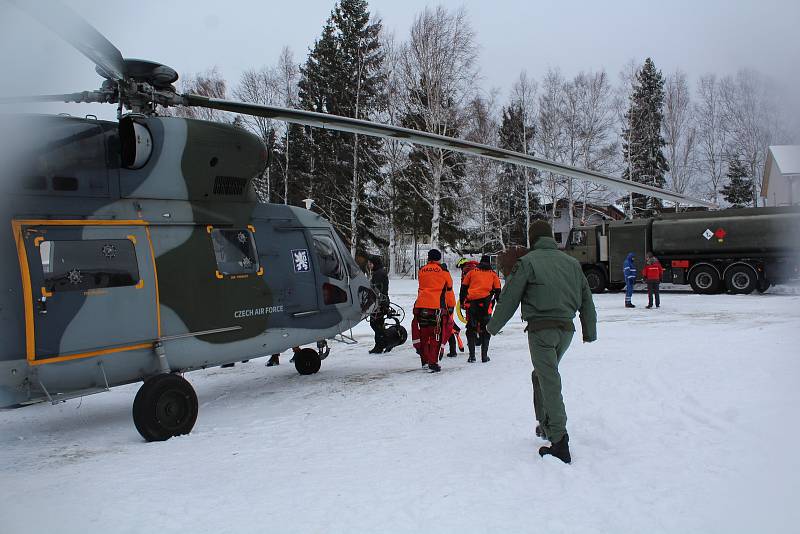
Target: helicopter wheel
[(307, 361), (165, 406)]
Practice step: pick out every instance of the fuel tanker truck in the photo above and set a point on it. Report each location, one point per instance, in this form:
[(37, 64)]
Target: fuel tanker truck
[(733, 250)]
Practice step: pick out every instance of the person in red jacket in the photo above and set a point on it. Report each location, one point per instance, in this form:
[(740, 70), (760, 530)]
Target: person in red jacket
[(479, 289), (652, 273), (432, 323)]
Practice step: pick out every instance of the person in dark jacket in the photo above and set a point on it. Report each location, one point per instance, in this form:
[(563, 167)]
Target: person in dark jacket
[(652, 273), (629, 273), (551, 287), (380, 284)]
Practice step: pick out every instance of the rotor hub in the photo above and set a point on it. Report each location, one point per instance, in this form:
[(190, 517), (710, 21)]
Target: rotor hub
[(143, 71)]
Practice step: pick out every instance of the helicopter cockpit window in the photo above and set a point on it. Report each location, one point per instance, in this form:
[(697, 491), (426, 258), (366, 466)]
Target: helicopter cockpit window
[(329, 261), (235, 251), (578, 238), (89, 264), (352, 266)]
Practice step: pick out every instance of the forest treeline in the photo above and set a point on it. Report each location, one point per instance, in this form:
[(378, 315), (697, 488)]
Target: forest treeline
[(706, 137)]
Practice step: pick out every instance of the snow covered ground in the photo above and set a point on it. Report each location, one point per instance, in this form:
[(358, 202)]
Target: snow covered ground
[(682, 419)]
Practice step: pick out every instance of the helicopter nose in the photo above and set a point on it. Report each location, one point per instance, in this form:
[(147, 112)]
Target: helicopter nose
[(368, 299)]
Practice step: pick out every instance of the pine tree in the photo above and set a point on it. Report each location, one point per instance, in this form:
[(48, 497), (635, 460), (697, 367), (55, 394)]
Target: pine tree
[(341, 76), (642, 140), (510, 195), (739, 191)]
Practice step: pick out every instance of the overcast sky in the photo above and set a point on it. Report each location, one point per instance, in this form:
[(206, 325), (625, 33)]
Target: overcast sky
[(696, 36)]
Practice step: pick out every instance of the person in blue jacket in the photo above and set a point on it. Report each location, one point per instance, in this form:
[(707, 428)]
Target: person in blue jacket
[(629, 272)]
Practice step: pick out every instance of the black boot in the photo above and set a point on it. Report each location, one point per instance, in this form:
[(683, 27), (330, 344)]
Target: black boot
[(560, 450), (274, 360), (629, 305), (434, 367), (452, 343), (485, 349), (471, 346), (377, 349)]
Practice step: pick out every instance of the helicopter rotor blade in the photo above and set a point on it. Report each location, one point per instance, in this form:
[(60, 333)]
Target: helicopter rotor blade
[(71, 27), (347, 124), (82, 97)]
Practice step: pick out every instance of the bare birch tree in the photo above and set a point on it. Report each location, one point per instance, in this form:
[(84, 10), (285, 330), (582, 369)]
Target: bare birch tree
[(750, 120), (439, 72), (598, 144), (288, 72), (711, 137), (260, 87), (395, 151), (209, 83), (679, 132), (549, 141), (524, 95), (482, 172), (622, 97)]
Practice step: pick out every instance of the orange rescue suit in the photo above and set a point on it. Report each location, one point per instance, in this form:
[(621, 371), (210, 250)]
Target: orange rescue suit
[(433, 282), (480, 283)]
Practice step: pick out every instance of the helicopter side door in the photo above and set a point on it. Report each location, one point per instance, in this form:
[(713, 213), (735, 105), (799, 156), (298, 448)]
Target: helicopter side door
[(90, 288), (289, 270)]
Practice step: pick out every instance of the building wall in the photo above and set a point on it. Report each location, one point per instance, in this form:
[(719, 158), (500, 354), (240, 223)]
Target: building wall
[(783, 190)]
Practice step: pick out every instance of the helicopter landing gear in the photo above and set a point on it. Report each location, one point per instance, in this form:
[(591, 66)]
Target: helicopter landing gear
[(307, 361), (165, 406)]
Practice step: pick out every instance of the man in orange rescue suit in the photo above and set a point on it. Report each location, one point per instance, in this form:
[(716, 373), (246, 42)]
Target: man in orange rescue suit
[(479, 290), (431, 311)]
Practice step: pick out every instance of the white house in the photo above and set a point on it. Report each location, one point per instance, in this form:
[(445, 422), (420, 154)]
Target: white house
[(781, 184)]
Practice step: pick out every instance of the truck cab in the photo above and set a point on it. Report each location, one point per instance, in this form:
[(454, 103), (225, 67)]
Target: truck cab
[(583, 243), (589, 245), (601, 250)]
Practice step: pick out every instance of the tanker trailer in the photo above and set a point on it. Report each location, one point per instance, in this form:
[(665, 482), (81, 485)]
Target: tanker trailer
[(734, 250)]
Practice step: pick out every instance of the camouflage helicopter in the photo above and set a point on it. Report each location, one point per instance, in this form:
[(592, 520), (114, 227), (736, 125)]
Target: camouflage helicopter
[(138, 251)]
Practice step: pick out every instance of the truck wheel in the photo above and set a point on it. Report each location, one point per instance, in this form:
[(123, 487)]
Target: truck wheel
[(596, 279), (741, 279), (307, 361), (165, 406), (704, 280)]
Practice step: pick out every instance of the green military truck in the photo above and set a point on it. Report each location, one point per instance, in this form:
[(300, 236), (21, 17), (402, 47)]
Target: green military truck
[(733, 250)]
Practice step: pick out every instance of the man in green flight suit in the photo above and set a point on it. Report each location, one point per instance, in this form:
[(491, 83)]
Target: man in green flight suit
[(551, 287)]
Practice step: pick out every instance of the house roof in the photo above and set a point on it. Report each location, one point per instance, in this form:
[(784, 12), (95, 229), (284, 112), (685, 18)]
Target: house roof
[(787, 157), (609, 209), (787, 161)]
